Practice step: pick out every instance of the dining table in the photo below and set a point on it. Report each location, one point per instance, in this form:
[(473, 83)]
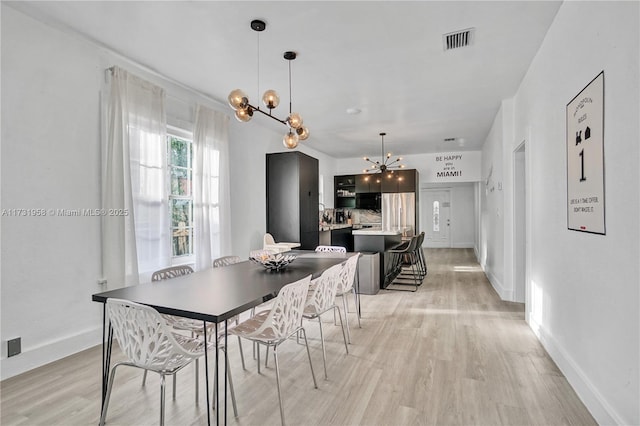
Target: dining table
[(213, 295)]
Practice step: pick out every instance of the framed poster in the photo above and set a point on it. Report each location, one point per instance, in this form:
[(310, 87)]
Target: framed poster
[(585, 159)]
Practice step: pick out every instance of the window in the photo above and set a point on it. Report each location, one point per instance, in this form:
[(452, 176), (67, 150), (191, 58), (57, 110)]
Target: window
[(436, 216), (180, 163)]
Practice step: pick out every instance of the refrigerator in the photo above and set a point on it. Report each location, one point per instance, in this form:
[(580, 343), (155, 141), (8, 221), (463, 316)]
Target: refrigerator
[(399, 213)]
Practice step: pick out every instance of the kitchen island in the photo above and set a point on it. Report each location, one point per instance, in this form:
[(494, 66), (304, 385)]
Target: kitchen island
[(377, 240), (336, 235)]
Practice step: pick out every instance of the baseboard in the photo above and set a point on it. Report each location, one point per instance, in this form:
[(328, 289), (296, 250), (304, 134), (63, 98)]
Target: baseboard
[(597, 405), (51, 351), (497, 286), (463, 245)]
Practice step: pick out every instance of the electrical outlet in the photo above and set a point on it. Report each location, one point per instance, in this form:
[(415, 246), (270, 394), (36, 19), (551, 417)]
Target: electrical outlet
[(14, 346), (102, 281)]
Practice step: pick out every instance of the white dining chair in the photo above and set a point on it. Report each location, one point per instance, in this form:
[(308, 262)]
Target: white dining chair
[(330, 249), (148, 343), (269, 243), (347, 279), (321, 299), (219, 263), (273, 327), (226, 261), (174, 321), (194, 327)]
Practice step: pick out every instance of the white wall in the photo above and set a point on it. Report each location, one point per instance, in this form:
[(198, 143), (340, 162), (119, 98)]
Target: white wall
[(423, 163), (490, 251), (50, 159), (583, 290), (51, 97), (248, 145)]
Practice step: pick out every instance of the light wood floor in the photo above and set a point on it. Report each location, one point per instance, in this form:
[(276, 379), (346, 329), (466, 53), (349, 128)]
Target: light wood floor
[(450, 354)]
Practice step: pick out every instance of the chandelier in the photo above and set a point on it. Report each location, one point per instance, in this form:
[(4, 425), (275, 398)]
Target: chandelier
[(386, 163), (239, 101)]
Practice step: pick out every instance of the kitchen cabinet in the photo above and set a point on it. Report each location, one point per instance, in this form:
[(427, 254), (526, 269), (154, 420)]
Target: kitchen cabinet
[(337, 235), (400, 181), (368, 183), (345, 191), (381, 242), (342, 237), (292, 198)]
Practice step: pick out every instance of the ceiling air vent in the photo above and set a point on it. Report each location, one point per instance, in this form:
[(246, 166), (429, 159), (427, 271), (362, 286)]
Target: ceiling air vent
[(458, 39)]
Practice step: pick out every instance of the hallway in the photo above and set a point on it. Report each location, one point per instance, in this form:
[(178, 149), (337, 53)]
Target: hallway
[(450, 354)]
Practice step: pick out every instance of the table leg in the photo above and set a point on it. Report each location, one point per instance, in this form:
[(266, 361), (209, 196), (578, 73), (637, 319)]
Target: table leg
[(226, 369), (217, 402), (206, 371), (107, 344), (358, 310)]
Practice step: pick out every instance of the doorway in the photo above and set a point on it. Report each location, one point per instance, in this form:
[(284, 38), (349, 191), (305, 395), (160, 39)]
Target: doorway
[(519, 223), (436, 217)]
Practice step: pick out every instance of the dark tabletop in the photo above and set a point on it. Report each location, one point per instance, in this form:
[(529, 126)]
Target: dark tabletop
[(217, 294)]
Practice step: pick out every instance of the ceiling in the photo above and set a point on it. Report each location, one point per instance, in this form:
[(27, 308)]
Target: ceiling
[(383, 58)]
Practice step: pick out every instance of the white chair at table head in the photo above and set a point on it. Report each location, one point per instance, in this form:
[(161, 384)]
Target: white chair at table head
[(269, 243)]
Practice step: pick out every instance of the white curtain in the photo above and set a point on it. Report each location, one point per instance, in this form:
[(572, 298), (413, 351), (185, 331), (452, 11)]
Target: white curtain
[(212, 215), (135, 231)]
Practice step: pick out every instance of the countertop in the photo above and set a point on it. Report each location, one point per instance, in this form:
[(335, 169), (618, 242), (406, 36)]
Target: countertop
[(331, 227), (374, 231)]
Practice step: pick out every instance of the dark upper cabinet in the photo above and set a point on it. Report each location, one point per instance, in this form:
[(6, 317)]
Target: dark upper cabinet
[(292, 198), (400, 181), (368, 182), (345, 191)]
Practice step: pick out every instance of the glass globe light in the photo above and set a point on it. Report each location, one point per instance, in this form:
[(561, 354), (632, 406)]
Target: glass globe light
[(290, 140), (244, 114), (237, 99), (271, 99), (303, 133), (295, 120)]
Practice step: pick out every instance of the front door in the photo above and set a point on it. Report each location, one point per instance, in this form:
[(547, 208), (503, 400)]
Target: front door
[(435, 211)]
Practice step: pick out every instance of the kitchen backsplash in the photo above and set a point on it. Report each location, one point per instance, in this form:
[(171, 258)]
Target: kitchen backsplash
[(357, 216)]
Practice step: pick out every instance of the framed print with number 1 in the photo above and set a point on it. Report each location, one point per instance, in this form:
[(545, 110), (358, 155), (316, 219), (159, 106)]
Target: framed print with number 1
[(585, 159)]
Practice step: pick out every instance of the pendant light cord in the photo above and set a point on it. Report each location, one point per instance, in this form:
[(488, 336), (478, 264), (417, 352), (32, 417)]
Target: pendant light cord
[(258, 78), (289, 87)]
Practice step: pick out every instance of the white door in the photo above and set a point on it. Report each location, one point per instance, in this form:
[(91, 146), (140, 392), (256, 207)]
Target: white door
[(435, 217)]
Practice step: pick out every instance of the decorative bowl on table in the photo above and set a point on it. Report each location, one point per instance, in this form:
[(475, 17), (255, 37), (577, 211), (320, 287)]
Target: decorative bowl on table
[(270, 260)]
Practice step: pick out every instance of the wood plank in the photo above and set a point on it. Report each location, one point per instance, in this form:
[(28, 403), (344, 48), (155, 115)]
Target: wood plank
[(452, 353)]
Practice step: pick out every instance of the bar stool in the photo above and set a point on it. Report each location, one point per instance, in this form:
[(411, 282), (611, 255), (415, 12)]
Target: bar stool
[(406, 257)]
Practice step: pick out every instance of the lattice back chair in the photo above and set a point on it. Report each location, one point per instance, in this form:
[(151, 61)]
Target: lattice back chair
[(192, 326), (262, 252), (345, 286), (165, 274), (226, 261), (273, 327), (219, 263), (331, 249), (171, 272), (148, 343), (321, 299)]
